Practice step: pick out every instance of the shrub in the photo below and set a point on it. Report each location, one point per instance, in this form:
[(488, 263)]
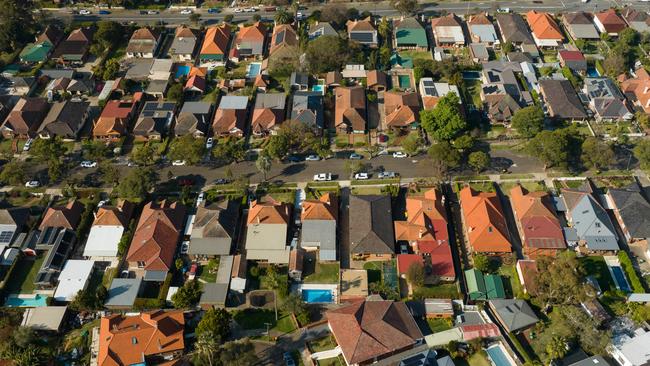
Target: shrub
[(635, 281)]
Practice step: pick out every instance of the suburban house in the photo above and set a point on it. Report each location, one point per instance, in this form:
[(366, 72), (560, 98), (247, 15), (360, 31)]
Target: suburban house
[(250, 42), (410, 34), (151, 254), (74, 277), (561, 99), (546, 31), (589, 221), (215, 45), (195, 84), (370, 330), (574, 60), (122, 293), (307, 107), (230, 118), (143, 43), (631, 349), (371, 228), (514, 29), (284, 46), (318, 29), (638, 20), (362, 31), (153, 337), (213, 231), (17, 85), (65, 119), (538, 225), (299, 81), (376, 80), (58, 243), (431, 92), (318, 231), (106, 232), (67, 216), (514, 315), (401, 110), (606, 100), (482, 30), (194, 119), (484, 287), (501, 92), (333, 78), (350, 109), (116, 118), (74, 49), (269, 112), (479, 52), (183, 45), (25, 118), (42, 48), (631, 210), (267, 226), (448, 31), (609, 22), (154, 121), (13, 221), (637, 88), (580, 25), (484, 222)]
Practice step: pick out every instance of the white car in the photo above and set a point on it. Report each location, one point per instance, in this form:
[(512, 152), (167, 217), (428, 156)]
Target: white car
[(186, 11), (28, 144), (238, 10), (178, 162), (209, 143), (313, 158), (386, 175), (322, 177), (152, 12), (399, 154), (185, 247), (361, 176), (200, 199), (84, 12), (102, 203), (33, 184), (299, 15), (88, 164)]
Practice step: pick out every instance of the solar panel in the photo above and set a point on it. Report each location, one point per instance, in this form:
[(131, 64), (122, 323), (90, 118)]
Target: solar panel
[(362, 37), (428, 82), (5, 236), (430, 91), (280, 37)]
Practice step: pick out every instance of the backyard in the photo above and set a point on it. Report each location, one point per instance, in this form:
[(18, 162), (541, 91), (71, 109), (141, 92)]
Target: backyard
[(321, 272), (23, 275), (258, 318), (324, 344), (439, 325), (595, 266)]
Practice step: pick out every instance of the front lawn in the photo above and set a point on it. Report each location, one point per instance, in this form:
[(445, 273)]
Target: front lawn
[(596, 266), (323, 273), (258, 318)]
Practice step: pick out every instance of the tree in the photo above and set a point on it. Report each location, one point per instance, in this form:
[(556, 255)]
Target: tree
[(411, 144), (294, 304), (277, 147), (144, 154), (415, 275), (508, 47), (443, 157), (464, 142), (216, 323), (642, 153), (136, 184), (528, 121), (405, 7), (109, 173), (44, 150), (559, 280), (24, 336), (111, 68), (195, 17), (13, 173), (55, 169), (175, 92), (479, 161), (238, 353), (283, 17), (95, 150), (327, 53), (556, 348), (228, 18), (614, 64), (551, 147), (263, 164), (18, 23), (187, 148), (335, 14), (108, 34), (206, 347), (596, 154), (481, 262), (230, 150), (188, 295), (444, 122)]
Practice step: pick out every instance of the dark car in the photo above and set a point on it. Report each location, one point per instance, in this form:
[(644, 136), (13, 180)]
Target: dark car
[(213, 10), (221, 181), (294, 158), (103, 12)]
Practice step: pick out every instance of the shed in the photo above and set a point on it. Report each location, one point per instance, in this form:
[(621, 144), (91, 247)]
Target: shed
[(123, 292), (45, 318), (494, 287), (214, 295), (438, 308), (475, 284)]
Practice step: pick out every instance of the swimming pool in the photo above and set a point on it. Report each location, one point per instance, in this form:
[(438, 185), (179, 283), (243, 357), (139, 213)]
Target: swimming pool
[(498, 356), (404, 81), (318, 88), (471, 75), (619, 278), (182, 70), (26, 301), (592, 72), (317, 296), (253, 70)]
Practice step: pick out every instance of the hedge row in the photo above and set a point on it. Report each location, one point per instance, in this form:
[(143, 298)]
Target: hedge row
[(635, 281)]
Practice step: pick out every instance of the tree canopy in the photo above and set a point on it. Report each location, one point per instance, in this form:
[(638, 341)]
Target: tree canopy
[(556, 148), (13, 173), (188, 295), (443, 157), (444, 122), (479, 160), (215, 322), (187, 148), (136, 184), (642, 153), (596, 153), (528, 121), (559, 280), (18, 23), (327, 53), (405, 7)]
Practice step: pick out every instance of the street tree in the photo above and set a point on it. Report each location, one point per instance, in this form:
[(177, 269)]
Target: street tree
[(528, 121), (277, 147), (479, 161), (642, 153), (464, 143), (334, 13), (596, 154), (444, 122), (108, 172), (411, 144), (550, 147), (283, 17), (95, 150), (263, 164), (443, 157), (187, 148), (136, 184), (405, 7), (144, 155), (230, 150), (13, 173), (188, 295)]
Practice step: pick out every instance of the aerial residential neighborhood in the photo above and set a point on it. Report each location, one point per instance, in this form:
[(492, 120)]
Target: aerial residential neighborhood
[(275, 182)]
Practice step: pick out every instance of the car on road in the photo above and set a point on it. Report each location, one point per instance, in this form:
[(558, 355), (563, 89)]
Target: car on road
[(323, 177), (355, 156), (221, 181), (84, 12), (209, 143), (387, 175), (270, 8), (185, 247), (238, 10), (33, 184), (313, 158), (103, 12), (361, 176), (503, 10), (88, 164), (178, 162), (399, 154), (186, 11), (294, 158), (28, 144), (288, 360), (152, 12), (250, 10), (213, 10)]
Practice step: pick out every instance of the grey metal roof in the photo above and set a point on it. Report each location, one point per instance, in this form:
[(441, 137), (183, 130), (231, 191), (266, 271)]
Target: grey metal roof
[(270, 100), (321, 29), (633, 209), (485, 32), (299, 78), (515, 314), (322, 232), (155, 276), (225, 269), (196, 107), (214, 294), (308, 108), (514, 28), (58, 73), (233, 102), (591, 361), (183, 45), (371, 225), (214, 228), (593, 225), (123, 291)]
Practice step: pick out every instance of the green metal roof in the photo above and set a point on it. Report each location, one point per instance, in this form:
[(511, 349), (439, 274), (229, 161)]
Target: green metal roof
[(475, 284), (36, 52), (410, 32), (494, 286)]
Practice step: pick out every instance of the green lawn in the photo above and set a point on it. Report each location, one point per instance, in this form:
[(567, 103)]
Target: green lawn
[(206, 275), (596, 266), (439, 325), (322, 344), (108, 276), (416, 55), (509, 274), (324, 273), (285, 324), (366, 190), (257, 319), (442, 291), (474, 91), (23, 275), (531, 186), (478, 359)]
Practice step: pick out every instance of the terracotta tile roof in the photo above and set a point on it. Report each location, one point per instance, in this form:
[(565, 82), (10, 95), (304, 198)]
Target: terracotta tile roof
[(67, 216), (426, 219), (226, 120), (484, 221), (185, 32), (479, 19), (376, 77), (401, 108), (127, 340), (119, 215), (255, 32), (116, 117), (611, 21), (637, 89), (568, 55), (268, 211), (333, 77), (216, 40), (350, 107), (405, 261), (260, 82), (360, 25), (196, 82), (543, 25), (439, 255), (325, 208), (488, 330), (369, 330), (145, 34), (536, 215), (283, 35), (445, 21), (156, 236)]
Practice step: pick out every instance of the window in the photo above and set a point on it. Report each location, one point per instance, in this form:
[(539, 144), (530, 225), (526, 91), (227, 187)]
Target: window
[(140, 264), (134, 340)]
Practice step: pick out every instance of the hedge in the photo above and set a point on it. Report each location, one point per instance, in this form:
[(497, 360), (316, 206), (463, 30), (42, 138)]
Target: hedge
[(600, 68), (635, 281)]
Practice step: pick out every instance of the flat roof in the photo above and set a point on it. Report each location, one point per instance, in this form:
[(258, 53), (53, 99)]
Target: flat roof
[(73, 278), (103, 240), (44, 318), (354, 283), (123, 291)]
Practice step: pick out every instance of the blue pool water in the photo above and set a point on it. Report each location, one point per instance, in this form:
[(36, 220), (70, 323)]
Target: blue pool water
[(592, 72), (253, 70), (182, 70), (497, 356), (619, 277), (314, 295), (404, 81), (31, 302), (471, 75), (318, 88)]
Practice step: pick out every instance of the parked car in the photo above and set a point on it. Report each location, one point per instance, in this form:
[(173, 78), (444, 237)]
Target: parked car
[(178, 162), (387, 175), (361, 176), (28, 144), (185, 247), (213, 10), (209, 143), (33, 184), (313, 158), (294, 158), (299, 15), (186, 11), (288, 360), (355, 156), (88, 164), (221, 181), (152, 12), (103, 203), (192, 272), (322, 177), (103, 12), (399, 154), (270, 8), (238, 10), (84, 12), (403, 249)]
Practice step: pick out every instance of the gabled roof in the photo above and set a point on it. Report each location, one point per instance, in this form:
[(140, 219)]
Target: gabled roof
[(401, 108), (269, 111), (350, 107), (308, 108), (544, 26), (254, 33), (633, 209), (376, 77), (514, 314), (371, 225), (513, 28), (268, 211), (611, 21), (231, 114), (318, 29), (482, 29), (426, 219), (52, 34), (484, 221), (184, 41), (361, 25), (535, 213), (115, 117), (562, 99), (590, 220), (638, 88), (119, 215), (26, 116), (368, 330), (67, 216), (325, 208), (146, 33), (216, 40), (580, 25), (127, 340), (284, 35), (214, 228), (65, 118)]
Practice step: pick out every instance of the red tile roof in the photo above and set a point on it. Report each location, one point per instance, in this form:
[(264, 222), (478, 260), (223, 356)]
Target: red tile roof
[(426, 219), (488, 330), (568, 55), (543, 25), (268, 211), (216, 40), (537, 220), (611, 21), (484, 221), (405, 261), (439, 253), (67, 216)]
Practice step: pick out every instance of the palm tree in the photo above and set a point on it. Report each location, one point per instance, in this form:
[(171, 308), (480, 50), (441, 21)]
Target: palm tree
[(206, 347), (263, 164), (283, 17)]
